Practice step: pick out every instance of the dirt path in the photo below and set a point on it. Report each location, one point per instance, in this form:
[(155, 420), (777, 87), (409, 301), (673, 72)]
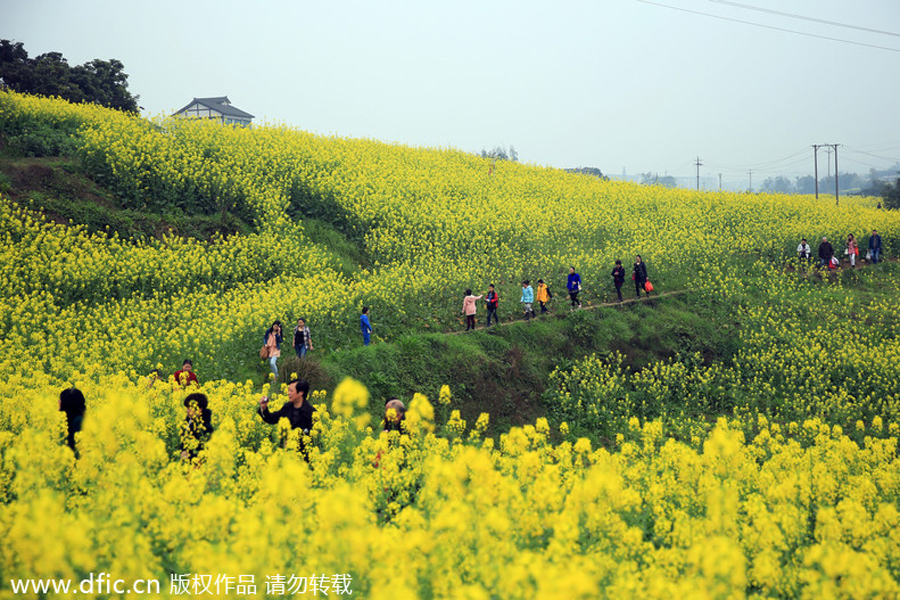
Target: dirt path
[(562, 311)]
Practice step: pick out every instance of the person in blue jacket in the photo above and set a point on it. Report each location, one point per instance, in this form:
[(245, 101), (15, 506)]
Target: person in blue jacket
[(574, 286), (527, 299), (365, 325)]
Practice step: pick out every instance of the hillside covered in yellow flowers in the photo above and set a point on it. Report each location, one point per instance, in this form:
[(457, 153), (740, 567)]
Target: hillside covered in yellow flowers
[(664, 465)]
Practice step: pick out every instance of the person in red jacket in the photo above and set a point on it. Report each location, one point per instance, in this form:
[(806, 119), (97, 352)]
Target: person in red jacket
[(186, 377), (492, 299)]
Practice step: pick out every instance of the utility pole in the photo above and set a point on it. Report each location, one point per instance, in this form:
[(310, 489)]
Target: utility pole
[(835, 146), (720, 182), (828, 150), (751, 180), (816, 163), (698, 164)]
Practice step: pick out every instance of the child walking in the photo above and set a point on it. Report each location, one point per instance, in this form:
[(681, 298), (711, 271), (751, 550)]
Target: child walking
[(469, 308), (527, 299)]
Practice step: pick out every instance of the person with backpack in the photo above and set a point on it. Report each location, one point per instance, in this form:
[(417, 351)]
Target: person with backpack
[(543, 296), (618, 275), (492, 300), (573, 284)]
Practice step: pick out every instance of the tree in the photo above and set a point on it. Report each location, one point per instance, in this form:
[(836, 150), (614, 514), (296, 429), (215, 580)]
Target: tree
[(805, 184), (103, 82), (592, 171), (654, 179), (891, 195), (779, 184)]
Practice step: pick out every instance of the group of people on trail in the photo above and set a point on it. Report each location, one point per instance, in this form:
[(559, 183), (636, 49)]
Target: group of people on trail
[(827, 258), (272, 338), (544, 295)]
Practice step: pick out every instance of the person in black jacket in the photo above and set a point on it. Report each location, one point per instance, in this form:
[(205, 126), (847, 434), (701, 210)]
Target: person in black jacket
[(825, 253), (71, 402), (297, 410), (639, 274), (618, 275), (197, 425)]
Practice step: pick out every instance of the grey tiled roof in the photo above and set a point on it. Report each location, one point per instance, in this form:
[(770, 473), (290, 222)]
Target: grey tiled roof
[(220, 104)]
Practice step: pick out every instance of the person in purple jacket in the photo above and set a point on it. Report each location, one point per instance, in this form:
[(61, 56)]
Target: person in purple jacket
[(574, 286)]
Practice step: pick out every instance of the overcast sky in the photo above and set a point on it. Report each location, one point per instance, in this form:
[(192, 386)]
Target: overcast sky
[(618, 84)]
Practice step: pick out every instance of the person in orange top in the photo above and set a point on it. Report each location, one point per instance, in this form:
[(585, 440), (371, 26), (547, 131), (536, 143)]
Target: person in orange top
[(186, 376), (543, 296)]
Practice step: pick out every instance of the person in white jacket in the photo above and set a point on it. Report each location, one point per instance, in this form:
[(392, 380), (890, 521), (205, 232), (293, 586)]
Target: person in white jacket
[(804, 251)]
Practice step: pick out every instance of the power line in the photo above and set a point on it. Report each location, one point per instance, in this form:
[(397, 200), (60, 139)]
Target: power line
[(782, 29), (762, 166), (854, 151), (805, 18), (865, 164)]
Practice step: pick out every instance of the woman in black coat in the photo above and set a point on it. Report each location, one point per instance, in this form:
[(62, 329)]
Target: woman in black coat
[(639, 274), (71, 402), (197, 425)]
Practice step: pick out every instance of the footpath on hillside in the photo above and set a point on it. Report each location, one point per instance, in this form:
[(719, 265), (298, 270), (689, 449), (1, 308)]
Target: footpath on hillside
[(566, 310), (563, 310)]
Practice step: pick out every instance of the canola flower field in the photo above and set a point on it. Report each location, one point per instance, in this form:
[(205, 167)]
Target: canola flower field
[(773, 475)]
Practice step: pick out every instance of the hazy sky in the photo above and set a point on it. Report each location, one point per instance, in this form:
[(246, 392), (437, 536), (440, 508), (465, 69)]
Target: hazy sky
[(613, 84)]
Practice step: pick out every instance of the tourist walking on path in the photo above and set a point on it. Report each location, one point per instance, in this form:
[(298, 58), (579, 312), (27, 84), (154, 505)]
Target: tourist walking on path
[(804, 252), (302, 339), (875, 247), (492, 300), (527, 299), (573, 284), (273, 339), (469, 307), (852, 250), (365, 325), (618, 275), (639, 275), (543, 296), (826, 253)]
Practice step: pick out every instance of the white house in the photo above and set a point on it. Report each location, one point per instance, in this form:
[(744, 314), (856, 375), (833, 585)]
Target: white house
[(219, 108)]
